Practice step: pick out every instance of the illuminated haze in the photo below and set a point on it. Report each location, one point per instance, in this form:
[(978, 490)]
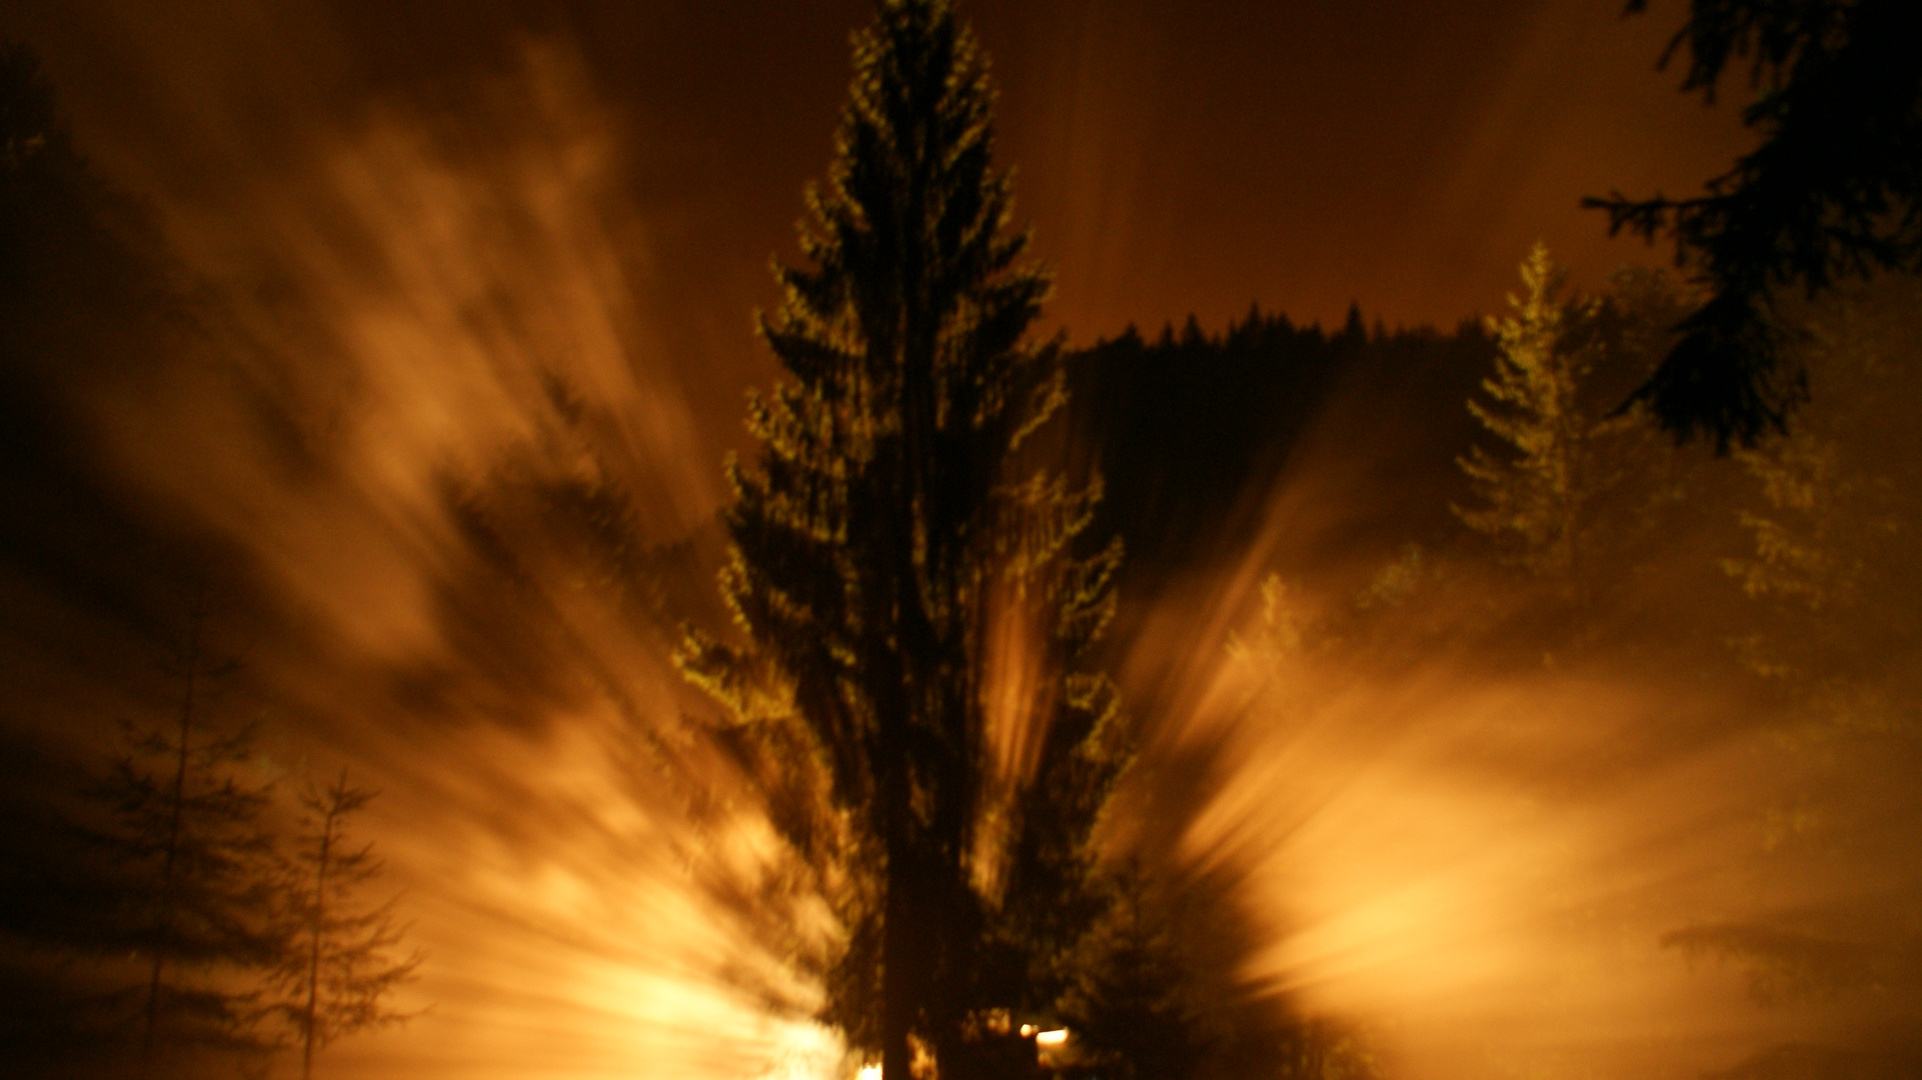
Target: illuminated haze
[(484, 280)]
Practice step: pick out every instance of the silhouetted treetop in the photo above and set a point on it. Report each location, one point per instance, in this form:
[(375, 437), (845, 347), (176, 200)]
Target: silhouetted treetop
[(1831, 192)]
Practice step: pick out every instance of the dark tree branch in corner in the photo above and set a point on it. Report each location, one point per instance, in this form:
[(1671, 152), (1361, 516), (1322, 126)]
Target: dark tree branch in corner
[(1830, 194)]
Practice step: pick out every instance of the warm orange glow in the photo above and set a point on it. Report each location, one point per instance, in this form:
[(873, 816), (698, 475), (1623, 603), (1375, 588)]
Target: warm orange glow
[(1453, 859), (576, 886), (450, 334)]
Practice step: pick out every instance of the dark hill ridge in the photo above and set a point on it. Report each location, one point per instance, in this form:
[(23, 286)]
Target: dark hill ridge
[(1192, 431)]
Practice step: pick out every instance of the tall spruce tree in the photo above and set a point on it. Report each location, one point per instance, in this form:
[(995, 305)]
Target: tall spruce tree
[(899, 524)]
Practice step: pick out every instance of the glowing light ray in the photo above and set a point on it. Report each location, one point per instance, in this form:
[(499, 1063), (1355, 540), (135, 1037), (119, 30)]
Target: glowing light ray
[(1476, 867), (447, 326)]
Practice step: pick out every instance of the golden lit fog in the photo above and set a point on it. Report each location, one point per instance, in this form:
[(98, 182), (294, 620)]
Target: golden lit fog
[(440, 426)]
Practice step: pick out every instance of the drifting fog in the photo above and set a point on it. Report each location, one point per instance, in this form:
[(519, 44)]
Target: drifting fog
[(455, 493)]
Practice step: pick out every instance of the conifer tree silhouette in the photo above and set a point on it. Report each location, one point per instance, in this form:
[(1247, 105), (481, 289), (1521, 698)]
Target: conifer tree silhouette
[(1531, 496), (1832, 191), (194, 862), (891, 530), (340, 966)]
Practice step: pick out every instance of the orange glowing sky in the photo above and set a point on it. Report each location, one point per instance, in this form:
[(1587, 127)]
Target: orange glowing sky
[(1173, 158)]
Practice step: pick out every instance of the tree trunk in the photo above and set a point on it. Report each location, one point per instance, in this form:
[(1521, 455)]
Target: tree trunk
[(310, 1015), (897, 989), (900, 998), (163, 925)]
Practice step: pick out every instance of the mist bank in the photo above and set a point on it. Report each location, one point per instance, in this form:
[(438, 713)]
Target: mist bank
[(1612, 783)]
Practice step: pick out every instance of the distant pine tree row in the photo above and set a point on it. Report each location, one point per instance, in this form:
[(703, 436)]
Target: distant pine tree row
[(1191, 430)]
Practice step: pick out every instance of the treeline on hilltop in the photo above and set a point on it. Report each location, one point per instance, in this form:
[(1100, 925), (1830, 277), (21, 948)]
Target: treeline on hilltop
[(1191, 430)]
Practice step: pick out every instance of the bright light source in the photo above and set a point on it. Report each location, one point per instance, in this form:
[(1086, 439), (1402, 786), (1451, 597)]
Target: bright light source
[(1027, 1030), (1051, 1038), (869, 1072)]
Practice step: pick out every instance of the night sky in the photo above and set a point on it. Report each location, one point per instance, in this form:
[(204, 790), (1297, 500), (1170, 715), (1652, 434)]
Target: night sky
[(1173, 159)]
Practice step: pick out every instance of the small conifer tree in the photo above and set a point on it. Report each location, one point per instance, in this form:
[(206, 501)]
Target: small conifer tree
[(1530, 496), (340, 966)]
